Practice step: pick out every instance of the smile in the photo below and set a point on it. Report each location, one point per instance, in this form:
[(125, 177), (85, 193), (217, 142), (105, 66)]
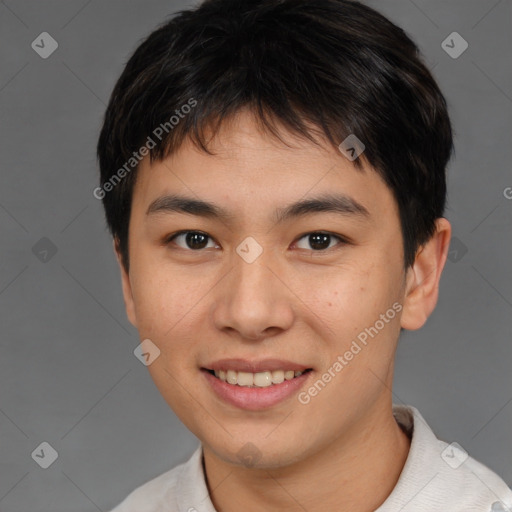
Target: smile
[(255, 391), (260, 379)]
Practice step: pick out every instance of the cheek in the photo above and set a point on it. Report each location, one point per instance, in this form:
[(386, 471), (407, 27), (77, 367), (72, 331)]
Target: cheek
[(351, 300), (161, 300), (170, 308), (344, 293)]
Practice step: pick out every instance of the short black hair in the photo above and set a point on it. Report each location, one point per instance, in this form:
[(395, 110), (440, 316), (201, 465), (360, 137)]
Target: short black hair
[(338, 66)]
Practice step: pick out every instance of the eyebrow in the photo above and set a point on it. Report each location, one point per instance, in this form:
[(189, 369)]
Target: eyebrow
[(337, 203)]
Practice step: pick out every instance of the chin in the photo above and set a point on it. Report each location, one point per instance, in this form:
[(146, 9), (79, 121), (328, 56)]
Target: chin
[(255, 453)]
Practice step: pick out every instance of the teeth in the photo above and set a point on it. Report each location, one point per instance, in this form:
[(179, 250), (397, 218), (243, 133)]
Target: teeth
[(260, 379), (245, 379), (277, 376)]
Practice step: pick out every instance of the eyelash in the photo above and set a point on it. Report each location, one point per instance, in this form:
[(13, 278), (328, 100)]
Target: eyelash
[(342, 241)]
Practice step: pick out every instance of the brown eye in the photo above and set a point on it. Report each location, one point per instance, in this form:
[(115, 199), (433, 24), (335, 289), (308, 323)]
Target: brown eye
[(194, 240), (319, 241)]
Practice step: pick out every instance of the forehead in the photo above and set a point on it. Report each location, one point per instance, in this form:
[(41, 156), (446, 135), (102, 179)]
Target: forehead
[(251, 169)]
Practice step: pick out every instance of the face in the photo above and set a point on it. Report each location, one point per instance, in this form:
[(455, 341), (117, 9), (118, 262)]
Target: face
[(253, 283)]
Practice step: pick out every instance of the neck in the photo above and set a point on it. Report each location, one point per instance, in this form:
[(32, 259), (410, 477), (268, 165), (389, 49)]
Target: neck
[(356, 471)]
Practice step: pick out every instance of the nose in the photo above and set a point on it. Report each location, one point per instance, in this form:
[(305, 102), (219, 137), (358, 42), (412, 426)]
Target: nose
[(254, 301)]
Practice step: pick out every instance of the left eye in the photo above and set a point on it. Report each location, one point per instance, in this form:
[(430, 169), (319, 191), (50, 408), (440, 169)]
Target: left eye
[(319, 241)]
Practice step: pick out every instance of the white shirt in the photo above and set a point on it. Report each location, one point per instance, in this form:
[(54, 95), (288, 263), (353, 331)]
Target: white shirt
[(436, 477)]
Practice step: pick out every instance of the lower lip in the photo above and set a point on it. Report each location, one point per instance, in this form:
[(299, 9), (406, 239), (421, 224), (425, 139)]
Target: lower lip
[(255, 399)]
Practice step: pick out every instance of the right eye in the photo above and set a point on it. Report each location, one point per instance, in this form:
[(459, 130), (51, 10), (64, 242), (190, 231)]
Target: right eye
[(193, 240)]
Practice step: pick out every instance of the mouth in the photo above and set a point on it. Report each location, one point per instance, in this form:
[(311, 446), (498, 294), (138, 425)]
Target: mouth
[(263, 379), (256, 385)]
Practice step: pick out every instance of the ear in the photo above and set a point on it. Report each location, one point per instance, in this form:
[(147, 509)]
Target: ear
[(422, 279), (127, 287)]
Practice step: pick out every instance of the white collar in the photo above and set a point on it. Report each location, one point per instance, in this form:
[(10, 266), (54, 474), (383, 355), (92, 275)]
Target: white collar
[(426, 479)]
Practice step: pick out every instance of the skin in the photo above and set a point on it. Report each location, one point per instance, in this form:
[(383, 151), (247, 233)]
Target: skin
[(343, 450)]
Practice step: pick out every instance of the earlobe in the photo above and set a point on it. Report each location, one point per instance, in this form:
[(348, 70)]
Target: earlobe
[(126, 286), (422, 282)]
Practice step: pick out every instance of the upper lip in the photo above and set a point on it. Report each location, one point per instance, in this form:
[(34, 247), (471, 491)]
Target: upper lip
[(244, 365)]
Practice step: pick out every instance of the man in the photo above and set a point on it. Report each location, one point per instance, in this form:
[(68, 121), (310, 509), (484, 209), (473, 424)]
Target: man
[(273, 176)]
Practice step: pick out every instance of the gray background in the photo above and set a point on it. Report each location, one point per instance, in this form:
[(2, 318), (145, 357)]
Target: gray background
[(68, 375)]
